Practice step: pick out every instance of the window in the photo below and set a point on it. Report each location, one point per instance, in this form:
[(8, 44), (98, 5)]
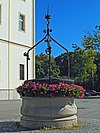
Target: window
[(0, 13), (21, 22), (21, 72)]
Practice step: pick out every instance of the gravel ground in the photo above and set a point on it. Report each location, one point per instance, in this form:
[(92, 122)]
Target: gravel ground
[(84, 126)]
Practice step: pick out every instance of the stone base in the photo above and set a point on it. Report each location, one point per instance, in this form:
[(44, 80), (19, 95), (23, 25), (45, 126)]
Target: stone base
[(67, 122), (39, 112)]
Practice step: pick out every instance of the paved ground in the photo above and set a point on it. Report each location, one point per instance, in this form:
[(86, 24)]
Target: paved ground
[(10, 109), (87, 108)]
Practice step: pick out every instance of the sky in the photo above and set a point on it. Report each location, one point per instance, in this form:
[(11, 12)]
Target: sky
[(70, 21)]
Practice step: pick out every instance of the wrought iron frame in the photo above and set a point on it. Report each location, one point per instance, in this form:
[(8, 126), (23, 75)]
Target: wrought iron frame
[(47, 38)]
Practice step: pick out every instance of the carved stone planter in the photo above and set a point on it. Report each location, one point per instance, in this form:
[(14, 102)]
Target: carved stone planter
[(59, 112)]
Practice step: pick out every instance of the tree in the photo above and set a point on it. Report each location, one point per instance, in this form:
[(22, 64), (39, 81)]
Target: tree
[(83, 66), (42, 66), (92, 40), (62, 62), (97, 77)]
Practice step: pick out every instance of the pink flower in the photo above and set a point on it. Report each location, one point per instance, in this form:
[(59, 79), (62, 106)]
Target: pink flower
[(52, 89), (41, 92), (82, 96), (34, 87), (25, 86)]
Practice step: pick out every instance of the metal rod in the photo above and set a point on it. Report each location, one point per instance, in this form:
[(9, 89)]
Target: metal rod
[(68, 55), (48, 43), (27, 66), (68, 67), (27, 54), (49, 64), (37, 43), (59, 44)]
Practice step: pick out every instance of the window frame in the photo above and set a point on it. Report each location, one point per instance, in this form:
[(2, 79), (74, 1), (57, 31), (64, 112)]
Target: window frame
[(22, 22), (21, 71)]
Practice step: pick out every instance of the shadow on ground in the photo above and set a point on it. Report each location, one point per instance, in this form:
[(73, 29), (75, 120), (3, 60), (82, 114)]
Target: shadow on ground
[(11, 126)]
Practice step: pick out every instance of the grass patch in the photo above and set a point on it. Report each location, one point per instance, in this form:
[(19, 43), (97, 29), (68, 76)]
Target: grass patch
[(77, 127), (92, 97)]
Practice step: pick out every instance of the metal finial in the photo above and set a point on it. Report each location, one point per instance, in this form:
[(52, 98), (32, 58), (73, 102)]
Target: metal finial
[(47, 16)]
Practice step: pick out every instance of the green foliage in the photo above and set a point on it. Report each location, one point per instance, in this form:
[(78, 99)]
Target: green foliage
[(42, 66), (62, 62), (83, 65), (97, 77), (92, 40)]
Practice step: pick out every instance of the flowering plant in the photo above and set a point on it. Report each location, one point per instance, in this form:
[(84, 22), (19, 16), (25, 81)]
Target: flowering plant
[(50, 90)]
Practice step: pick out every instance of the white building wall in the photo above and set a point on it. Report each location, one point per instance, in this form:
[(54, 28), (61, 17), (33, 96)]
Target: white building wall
[(13, 43), (25, 8), (3, 70), (16, 59), (4, 22), (3, 65)]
